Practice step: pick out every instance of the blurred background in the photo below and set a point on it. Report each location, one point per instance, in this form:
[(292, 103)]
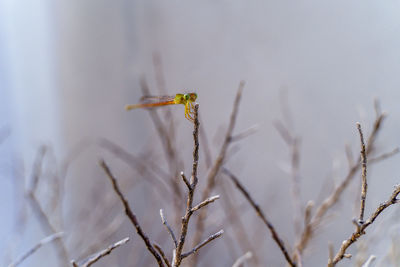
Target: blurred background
[(68, 68)]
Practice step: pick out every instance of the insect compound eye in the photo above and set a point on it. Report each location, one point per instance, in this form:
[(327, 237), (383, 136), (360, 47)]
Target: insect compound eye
[(186, 96)]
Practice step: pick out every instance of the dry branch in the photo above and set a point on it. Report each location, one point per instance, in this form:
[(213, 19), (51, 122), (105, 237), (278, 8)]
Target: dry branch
[(130, 214), (178, 256), (93, 259), (31, 251), (361, 229), (205, 203), (216, 167), (332, 199), (260, 213), (203, 243), (363, 175)]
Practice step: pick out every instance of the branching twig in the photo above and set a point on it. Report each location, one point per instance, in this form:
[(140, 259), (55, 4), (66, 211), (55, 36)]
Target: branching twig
[(42, 242), (260, 213), (202, 244), (216, 167), (361, 229), (130, 214), (332, 199), (169, 229), (93, 259), (178, 255)]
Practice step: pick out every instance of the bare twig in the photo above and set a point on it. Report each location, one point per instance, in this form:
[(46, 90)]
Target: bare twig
[(169, 229), (205, 202), (159, 249), (93, 259), (215, 169), (31, 251), (241, 260), (361, 229), (202, 244), (363, 175), (260, 213), (130, 214)]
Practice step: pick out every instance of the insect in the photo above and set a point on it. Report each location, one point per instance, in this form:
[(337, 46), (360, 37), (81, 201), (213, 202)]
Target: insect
[(157, 101)]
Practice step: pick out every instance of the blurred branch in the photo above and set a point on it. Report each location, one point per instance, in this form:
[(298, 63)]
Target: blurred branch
[(370, 260), (384, 156), (5, 132), (31, 251), (216, 167), (38, 210), (362, 227), (234, 218), (293, 143), (166, 140), (260, 213), (130, 214), (241, 260), (93, 259), (246, 133)]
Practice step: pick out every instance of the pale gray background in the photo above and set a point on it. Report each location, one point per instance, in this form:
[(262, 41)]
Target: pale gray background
[(67, 68)]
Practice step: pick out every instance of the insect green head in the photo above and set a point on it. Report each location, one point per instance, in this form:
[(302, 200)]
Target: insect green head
[(186, 96)]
